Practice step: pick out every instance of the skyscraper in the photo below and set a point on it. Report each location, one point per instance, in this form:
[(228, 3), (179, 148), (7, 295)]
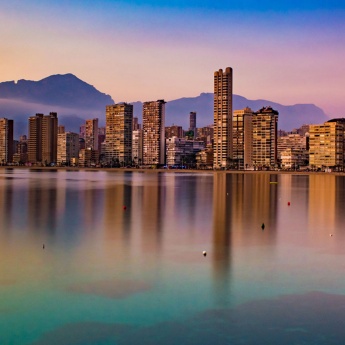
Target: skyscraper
[(222, 147), (91, 134), (265, 133), (326, 145), (154, 132), (118, 136), (192, 122), (43, 138), (6, 140), (68, 148), (49, 138), (242, 138)]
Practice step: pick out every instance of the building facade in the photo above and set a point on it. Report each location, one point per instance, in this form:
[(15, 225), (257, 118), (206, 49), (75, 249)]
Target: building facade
[(180, 151), (137, 146), (265, 131), (154, 132), (192, 123), (173, 131), (222, 146), (49, 138), (242, 138), (6, 141), (67, 148), (118, 137), (42, 143), (91, 134), (326, 144)]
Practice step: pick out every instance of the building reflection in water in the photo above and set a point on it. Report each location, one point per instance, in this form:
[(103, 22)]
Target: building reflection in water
[(326, 200), (118, 210), (221, 235), (153, 201), (42, 205), (241, 204)]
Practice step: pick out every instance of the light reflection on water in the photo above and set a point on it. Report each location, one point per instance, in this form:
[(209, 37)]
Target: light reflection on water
[(123, 255)]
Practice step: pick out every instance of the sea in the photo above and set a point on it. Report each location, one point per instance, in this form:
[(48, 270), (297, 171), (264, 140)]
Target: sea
[(115, 257)]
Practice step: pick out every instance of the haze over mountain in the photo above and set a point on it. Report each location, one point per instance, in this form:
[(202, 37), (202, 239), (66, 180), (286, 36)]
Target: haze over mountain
[(290, 116), (75, 101)]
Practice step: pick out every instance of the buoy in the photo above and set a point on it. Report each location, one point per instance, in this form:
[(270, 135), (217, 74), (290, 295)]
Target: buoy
[(125, 207), (43, 246), (330, 235), (204, 253), (289, 203), (263, 226)]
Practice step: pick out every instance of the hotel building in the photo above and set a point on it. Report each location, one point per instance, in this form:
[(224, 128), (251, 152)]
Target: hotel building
[(6, 141), (154, 132), (42, 144), (265, 123), (326, 144), (222, 146), (242, 138), (192, 123), (68, 148), (118, 133), (91, 134)]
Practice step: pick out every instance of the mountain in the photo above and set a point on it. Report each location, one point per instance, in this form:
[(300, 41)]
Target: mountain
[(290, 116), (73, 100)]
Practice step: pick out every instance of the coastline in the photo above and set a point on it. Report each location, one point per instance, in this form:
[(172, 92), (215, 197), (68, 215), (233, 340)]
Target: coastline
[(193, 171)]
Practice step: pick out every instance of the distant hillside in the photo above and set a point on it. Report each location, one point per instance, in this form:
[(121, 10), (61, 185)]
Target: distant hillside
[(290, 116), (73, 100)]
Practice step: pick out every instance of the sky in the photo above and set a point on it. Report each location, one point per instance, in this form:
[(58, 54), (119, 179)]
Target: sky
[(289, 52)]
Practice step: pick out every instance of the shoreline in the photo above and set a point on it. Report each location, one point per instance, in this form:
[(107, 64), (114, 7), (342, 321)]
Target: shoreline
[(193, 171)]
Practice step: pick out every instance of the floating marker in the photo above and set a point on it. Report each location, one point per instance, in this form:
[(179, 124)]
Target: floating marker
[(289, 203), (330, 235), (125, 207), (204, 253), (263, 226), (43, 246)]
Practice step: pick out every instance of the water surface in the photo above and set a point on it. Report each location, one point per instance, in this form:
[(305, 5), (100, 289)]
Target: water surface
[(122, 260)]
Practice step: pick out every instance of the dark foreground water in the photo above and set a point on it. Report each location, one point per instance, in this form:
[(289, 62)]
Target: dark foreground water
[(122, 260)]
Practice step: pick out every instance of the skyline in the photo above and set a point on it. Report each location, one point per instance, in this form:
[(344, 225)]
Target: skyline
[(135, 50)]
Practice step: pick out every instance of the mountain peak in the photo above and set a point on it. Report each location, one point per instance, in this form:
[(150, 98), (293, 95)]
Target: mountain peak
[(65, 90)]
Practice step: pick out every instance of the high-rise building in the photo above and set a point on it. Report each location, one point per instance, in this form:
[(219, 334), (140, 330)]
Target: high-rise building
[(82, 131), (136, 124), (222, 145), (20, 156), (242, 138), (118, 136), (265, 123), (326, 144), (153, 132), (61, 129), (49, 138), (6, 141), (137, 146), (67, 148), (42, 146), (35, 138), (192, 123), (91, 134)]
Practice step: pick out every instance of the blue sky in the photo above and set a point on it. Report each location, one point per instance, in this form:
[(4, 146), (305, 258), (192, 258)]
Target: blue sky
[(287, 51)]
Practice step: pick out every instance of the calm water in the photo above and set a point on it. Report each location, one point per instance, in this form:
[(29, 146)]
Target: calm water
[(123, 262)]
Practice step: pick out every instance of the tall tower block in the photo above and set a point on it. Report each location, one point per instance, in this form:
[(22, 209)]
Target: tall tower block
[(222, 147)]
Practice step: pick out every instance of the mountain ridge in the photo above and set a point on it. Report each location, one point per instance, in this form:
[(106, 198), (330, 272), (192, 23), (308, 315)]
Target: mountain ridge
[(75, 101)]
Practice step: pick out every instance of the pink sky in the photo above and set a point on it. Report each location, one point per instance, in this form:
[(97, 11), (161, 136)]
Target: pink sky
[(137, 52)]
